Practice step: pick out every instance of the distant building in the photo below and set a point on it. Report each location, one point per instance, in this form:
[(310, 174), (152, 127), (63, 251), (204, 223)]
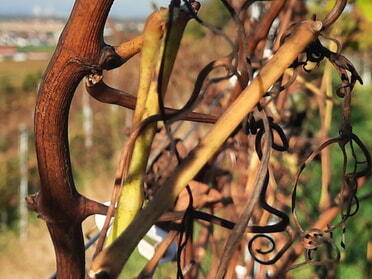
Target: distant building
[(7, 52), (30, 32)]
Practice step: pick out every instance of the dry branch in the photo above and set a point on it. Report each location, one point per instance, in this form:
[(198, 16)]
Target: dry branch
[(113, 258)]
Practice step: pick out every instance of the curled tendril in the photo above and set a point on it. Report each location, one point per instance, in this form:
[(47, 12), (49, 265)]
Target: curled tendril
[(348, 200), (283, 146), (352, 186), (262, 132), (349, 184), (315, 238), (254, 252), (315, 52), (258, 254), (347, 141), (255, 127)]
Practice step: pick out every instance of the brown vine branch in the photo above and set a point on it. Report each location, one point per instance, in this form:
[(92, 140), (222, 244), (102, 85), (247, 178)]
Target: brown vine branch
[(80, 50), (335, 13), (106, 94)]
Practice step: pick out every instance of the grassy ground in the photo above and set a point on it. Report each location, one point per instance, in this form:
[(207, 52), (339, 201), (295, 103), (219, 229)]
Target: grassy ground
[(33, 258), (16, 71)]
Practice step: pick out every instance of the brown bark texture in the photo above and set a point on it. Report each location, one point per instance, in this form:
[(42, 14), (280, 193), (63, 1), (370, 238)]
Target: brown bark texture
[(80, 51)]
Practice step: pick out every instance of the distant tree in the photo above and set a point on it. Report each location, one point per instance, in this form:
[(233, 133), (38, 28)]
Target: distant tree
[(6, 86), (31, 81)]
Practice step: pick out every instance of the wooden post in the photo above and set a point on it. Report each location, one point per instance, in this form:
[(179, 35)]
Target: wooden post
[(23, 186), (87, 122)]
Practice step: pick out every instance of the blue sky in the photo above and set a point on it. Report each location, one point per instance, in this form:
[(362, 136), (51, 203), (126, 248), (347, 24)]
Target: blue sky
[(122, 8)]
